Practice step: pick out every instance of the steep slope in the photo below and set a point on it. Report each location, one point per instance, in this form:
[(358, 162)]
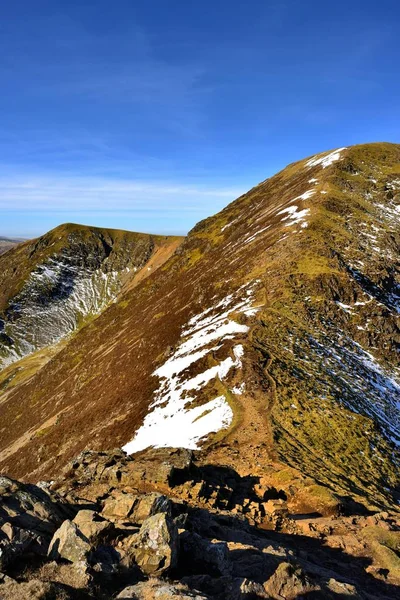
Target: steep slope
[(51, 285), (274, 326)]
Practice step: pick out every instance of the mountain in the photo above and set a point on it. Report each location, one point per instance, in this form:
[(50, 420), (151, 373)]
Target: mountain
[(52, 285), (273, 327), (7, 243), (267, 343)]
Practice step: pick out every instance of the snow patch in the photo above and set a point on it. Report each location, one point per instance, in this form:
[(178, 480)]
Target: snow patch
[(172, 420), (294, 216), (326, 160)]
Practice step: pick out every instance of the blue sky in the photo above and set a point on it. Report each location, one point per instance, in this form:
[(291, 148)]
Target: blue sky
[(152, 115)]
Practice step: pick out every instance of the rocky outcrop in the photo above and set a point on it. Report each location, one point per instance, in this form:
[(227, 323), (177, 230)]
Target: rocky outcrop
[(176, 535), (156, 546), (160, 590)]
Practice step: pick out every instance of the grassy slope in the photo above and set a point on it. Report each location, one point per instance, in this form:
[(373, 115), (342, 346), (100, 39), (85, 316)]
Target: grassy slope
[(102, 378), (16, 266)]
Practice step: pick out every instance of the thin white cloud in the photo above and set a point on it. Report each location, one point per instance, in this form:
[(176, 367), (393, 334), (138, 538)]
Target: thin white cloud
[(61, 193)]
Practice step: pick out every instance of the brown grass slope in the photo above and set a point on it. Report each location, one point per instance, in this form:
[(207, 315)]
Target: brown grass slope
[(7, 243), (52, 285), (326, 295), (18, 264)]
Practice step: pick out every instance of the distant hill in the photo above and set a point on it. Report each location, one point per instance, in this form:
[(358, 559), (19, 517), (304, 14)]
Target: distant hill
[(7, 243), (52, 285)]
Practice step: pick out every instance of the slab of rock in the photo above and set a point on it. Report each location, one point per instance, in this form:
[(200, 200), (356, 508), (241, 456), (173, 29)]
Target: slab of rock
[(149, 590), (149, 505), (69, 543), (119, 506), (156, 547), (93, 527), (289, 582), (202, 556)]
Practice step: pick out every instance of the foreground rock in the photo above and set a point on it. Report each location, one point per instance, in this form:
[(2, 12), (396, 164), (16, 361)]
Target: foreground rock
[(160, 590), (69, 543), (156, 549), (176, 529)]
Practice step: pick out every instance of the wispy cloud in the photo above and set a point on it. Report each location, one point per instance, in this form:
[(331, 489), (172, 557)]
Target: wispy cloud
[(53, 194)]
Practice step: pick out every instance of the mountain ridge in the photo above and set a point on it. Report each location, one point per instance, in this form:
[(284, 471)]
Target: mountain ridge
[(52, 284), (271, 297)]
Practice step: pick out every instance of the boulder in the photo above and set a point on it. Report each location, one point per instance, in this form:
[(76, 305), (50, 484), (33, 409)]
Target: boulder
[(69, 543), (288, 582), (161, 590), (156, 547), (202, 556), (149, 505), (119, 506), (93, 527)]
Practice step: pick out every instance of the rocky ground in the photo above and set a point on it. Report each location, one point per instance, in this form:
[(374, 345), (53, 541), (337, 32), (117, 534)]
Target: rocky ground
[(164, 524)]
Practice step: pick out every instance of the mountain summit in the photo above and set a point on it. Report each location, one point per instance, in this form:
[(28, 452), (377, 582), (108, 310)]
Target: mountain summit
[(222, 411), (269, 339)]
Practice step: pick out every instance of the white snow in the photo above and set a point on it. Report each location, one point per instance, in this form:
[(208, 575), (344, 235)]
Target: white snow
[(346, 307), (80, 293), (238, 389), (172, 421), (294, 215), (250, 239), (177, 427), (326, 160), (304, 196)]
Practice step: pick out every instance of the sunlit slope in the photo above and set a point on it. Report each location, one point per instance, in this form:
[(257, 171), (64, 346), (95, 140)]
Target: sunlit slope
[(270, 337), (8, 243), (50, 286)]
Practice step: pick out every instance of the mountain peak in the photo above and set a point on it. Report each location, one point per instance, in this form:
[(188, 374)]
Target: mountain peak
[(271, 330)]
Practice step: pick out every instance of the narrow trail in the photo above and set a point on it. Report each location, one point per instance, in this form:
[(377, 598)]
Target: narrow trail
[(253, 432)]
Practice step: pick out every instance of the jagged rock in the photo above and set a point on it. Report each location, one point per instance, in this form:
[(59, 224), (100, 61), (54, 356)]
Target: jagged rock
[(69, 543), (75, 575), (149, 505), (156, 548), (288, 582), (15, 541), (251, 589), (93, 527), (152, 589), (344, 589), (199, 555), (30, 507), (96, 466), (119, 505)]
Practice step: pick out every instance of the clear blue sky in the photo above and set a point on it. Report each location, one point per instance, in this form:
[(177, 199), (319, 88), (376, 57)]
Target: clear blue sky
[(150, 115)]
